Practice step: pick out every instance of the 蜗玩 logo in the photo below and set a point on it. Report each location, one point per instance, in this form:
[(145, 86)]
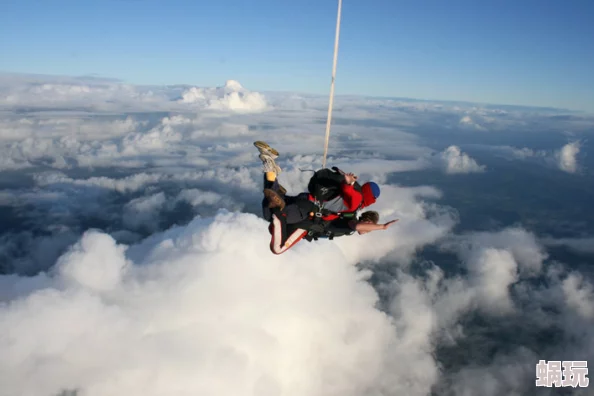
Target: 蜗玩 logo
[(562, 373)]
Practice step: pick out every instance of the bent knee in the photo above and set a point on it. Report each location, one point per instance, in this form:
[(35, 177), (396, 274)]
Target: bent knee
[(277, 252)]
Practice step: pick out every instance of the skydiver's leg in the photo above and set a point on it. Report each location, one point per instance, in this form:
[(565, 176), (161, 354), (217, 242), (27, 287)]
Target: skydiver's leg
[(283, 236), (271, 182), (268, 185), (271, 170), (291, 208), (274, 208)]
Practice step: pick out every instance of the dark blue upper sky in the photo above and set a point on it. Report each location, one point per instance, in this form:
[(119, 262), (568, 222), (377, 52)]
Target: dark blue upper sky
[(511, 52)]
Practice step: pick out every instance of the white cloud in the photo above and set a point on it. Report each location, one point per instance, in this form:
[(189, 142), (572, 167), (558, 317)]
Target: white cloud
[(80, 94), (95, 263), (232, 96), (195, 294), (415, 323), (564, 159), (493, 272), (580, 245), (497, 285), (229, 179), (495, 264), (436, 309), (468, 122), (454, 161), (524, 153), (125, 143), (144, 211), (579, 295), (567, 157), (508, 374), (522, 244), (184, 306)]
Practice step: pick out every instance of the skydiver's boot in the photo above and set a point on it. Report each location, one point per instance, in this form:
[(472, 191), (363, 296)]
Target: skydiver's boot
[(274, 199), (267, 156), (268, 164), (264, 148)]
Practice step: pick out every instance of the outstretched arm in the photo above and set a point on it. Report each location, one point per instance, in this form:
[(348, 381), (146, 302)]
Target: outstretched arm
[(368, 227)]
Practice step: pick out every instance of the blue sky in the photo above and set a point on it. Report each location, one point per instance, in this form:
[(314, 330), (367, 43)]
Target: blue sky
[(510, 52)]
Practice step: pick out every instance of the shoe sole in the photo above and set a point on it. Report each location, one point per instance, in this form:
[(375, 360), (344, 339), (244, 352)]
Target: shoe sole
[(263, 145)]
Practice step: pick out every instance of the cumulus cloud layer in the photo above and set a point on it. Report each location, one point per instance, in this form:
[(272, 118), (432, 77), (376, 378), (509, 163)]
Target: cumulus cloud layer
[(205, 307), (75, 94), (108, 317), (135, 261)]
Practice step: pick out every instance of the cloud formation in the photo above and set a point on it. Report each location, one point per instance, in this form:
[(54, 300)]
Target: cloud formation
[(567, 157), (454, 161), (468, 122), (175, 300), (564, 159), (232, 96), (579, 245), (133, 245), (84, 94)]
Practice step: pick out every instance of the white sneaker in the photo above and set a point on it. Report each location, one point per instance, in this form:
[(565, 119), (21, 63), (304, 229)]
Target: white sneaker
[(264, 148), (268, 164)]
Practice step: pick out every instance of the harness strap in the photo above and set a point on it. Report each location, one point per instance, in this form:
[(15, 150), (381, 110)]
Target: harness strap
[(318, 207)]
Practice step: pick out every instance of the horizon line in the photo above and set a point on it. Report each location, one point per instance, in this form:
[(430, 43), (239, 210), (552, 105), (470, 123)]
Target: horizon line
[(98, 77)]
